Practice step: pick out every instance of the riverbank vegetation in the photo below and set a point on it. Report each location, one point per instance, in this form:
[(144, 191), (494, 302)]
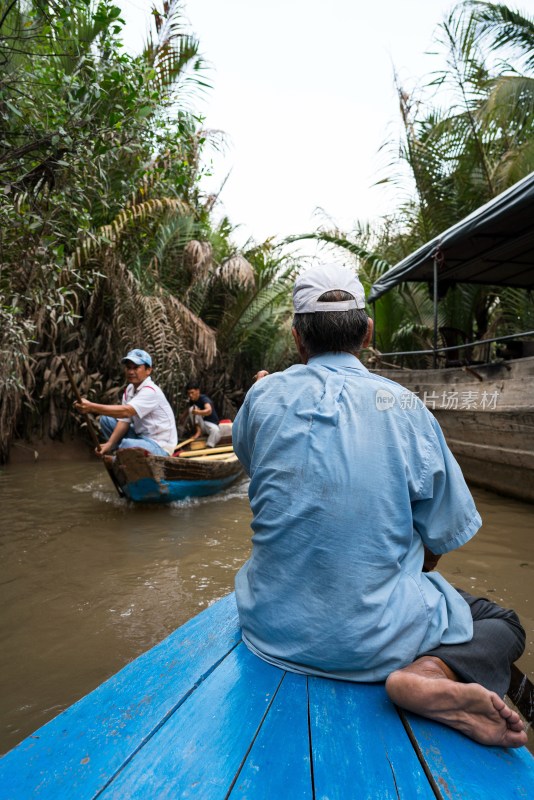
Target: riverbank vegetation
[(468, 134), (107, 240)]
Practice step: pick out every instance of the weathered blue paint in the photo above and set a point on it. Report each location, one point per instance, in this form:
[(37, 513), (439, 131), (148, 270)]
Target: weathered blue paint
[(279, 762), (148, 490), (215, 727), (357, 735), (477, 772), (200, 716), (82, 749)]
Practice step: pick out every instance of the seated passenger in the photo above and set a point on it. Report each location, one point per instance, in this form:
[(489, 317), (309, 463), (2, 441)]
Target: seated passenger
[(353, 504), (201, 414)]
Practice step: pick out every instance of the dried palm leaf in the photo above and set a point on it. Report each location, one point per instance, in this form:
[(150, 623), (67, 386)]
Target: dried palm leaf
[(16, 373), (236, 271), (177, 339), (198, 259)]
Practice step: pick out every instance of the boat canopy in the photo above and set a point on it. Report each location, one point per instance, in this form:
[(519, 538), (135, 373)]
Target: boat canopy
[(493, 245)]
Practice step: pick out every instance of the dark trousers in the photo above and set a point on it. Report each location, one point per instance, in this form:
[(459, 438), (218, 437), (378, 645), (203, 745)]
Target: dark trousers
[(498, 640)]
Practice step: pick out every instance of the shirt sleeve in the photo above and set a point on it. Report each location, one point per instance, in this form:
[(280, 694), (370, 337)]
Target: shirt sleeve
[(240, 437), (444, 513)]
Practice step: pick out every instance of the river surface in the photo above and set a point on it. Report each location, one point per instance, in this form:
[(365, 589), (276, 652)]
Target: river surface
[(90, 581)]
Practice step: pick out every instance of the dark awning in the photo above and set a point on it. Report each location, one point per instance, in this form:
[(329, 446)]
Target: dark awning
[(493, 245)]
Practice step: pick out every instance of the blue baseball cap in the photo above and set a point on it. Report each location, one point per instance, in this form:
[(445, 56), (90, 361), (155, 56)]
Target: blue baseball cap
[(138, 357)]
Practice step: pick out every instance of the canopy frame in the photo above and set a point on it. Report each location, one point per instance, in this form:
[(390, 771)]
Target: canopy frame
[(492, 246)]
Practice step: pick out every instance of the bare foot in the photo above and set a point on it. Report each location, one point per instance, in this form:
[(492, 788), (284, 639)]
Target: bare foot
[(427, 688)]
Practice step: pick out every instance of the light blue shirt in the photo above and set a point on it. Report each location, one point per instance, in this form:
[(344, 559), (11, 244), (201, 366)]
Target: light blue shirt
[(349, 476)]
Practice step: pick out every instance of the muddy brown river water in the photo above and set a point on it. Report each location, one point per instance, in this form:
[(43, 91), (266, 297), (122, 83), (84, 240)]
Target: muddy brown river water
[(88, 581)]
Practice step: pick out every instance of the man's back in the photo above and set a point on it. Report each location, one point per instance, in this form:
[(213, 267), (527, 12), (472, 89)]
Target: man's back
[(351, 483), (342, 466)]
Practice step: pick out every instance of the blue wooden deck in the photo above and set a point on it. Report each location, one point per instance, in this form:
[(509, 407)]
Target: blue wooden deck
[(198, 716)]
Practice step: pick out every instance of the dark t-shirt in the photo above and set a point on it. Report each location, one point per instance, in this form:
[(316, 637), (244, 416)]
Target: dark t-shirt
[(201, 403)]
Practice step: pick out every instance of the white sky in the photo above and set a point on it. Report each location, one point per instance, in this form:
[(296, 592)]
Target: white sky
[(304, 90)]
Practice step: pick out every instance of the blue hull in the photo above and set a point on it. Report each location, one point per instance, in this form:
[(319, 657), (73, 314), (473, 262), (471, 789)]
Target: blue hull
[(147, 490)]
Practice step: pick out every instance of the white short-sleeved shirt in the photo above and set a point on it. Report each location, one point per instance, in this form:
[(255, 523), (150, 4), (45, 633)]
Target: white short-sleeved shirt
[(154, 417), (350, 477)]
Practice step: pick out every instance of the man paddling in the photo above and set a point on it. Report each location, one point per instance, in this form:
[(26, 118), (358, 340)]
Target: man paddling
[(355, 495), (143, 419)]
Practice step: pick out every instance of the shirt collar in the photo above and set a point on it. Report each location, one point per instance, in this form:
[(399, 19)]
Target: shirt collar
[(146, 381), (338, 360)]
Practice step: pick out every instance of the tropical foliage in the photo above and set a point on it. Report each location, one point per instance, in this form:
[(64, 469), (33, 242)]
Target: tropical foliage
[(107, 241), (453, 158)]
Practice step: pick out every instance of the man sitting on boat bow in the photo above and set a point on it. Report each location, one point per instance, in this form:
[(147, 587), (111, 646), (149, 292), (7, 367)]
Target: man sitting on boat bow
[(355, 494), (144, 418), (201, 414)]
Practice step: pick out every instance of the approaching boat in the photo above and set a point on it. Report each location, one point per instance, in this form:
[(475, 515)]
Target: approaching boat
[(486, 410), (200, 716), (486, 413), (146, 478)]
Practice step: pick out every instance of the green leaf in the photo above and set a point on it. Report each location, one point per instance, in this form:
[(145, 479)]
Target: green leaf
[(13, 108)]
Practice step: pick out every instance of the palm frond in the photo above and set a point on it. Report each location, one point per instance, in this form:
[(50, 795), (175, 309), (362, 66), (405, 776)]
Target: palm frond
[(173, 53), (368, 259), (502, 28), (110, 234)]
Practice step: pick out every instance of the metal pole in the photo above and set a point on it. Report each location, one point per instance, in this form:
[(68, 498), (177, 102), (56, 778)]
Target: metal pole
[(438, 257)]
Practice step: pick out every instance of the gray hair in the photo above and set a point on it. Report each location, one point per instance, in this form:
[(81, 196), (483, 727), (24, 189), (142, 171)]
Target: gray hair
[(332, 331)]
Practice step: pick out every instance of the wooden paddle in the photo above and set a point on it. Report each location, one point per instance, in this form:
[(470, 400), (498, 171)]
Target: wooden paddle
[(183, 444), (521, 693), (91, 426)]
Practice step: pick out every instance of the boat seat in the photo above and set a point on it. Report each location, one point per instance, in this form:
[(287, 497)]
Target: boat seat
[(199, 716)]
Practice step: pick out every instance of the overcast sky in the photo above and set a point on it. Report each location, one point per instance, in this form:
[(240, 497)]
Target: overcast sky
[(305, 92)]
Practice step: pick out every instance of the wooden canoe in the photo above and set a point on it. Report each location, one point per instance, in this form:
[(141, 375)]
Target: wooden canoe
[(494, 247), (199, 716), (146, 478), (486, 413)]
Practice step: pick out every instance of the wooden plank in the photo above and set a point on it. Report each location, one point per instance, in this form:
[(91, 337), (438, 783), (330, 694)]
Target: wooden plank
[(465, 770), (78, 752), (508, 429), (201, 747), (360, 748), (279, 764), (524, 459), (200, 716), (207, 451), (217, 457)]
